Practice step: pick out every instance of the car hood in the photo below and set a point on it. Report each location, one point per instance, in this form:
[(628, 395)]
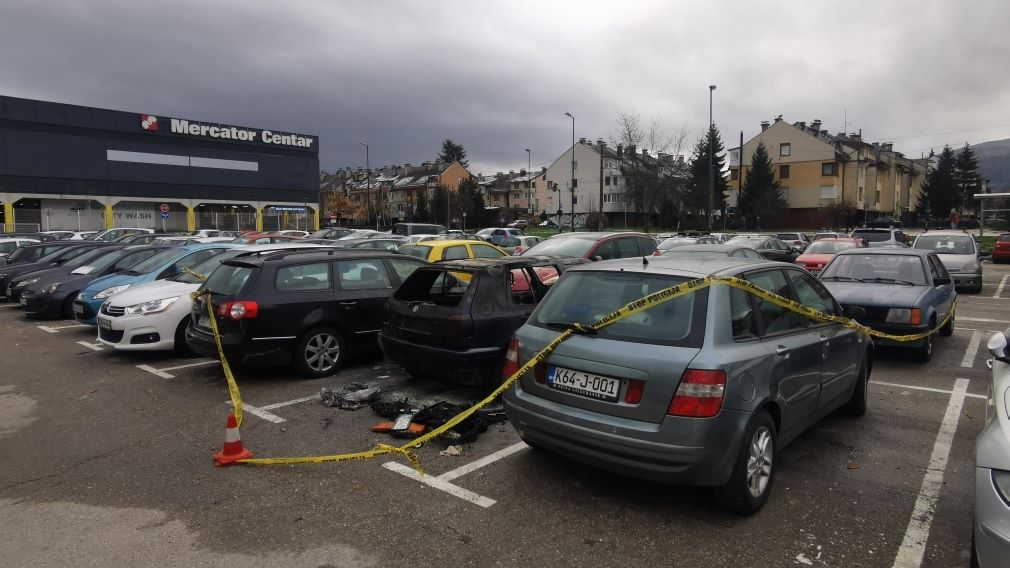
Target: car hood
[(874, 294), (40, 273), (110, 281), (65, 279), (956, 262), (149, 291)]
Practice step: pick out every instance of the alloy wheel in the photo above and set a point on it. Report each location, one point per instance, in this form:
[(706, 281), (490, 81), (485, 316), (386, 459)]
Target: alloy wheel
[(759, 461), (322, 352)]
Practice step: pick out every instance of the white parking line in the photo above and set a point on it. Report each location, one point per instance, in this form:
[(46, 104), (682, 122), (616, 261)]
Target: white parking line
[(155, 372), (91, 346), (290, 402), (10, 305), (972, 350), (257, 411), (441, 484), (913, 546), (999, 289), (163, 373), (983, 320), (188, 365), (51, 329), (927, 389)]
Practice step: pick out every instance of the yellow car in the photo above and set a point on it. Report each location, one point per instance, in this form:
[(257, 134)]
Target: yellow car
[(434, 251)]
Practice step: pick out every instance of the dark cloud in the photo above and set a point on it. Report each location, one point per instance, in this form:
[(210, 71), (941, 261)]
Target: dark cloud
[(498, 77)]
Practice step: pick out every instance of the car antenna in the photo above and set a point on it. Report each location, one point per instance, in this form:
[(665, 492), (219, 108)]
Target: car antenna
[(645, 261)]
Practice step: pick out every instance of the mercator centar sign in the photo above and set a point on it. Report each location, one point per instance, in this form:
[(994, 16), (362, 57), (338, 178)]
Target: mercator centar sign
[(222, 132)]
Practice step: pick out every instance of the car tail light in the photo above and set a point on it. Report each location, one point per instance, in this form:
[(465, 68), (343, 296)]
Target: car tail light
[(633, 395), (699, 395), (518, 250), (511, 365), (238, 310)]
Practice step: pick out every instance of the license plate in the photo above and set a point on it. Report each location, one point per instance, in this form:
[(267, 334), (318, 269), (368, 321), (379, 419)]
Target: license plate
[(585, 384), (203, 321), (24, 300), (78, 309), (104, 323)]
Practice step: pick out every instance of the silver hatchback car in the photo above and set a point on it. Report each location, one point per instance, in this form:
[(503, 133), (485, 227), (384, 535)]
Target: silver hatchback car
[(958, 252), (991, 533), (704, 389)]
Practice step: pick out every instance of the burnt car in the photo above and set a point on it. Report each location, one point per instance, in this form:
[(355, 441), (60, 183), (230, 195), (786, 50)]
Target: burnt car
[(453, 320)]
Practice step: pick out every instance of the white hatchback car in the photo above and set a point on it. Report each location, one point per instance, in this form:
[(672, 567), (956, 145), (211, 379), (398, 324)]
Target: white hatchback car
[(153, 316)]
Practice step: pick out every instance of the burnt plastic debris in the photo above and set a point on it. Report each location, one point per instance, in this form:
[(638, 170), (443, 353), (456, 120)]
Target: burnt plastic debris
[(351, 396)]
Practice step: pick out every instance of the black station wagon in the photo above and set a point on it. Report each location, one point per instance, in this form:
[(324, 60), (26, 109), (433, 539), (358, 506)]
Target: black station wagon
[(303, 309), (453, 320)]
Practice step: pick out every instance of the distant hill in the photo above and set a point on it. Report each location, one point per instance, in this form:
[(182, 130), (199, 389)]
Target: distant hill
[(994, 163)]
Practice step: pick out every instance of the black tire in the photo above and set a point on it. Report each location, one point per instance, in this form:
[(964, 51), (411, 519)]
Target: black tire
[(753, 474), (860, 399), (320, 353), (948, 329), (68, 306), (924, 354), (181, 348)]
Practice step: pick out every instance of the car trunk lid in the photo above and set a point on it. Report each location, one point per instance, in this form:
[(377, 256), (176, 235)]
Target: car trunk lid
[(432, 307)]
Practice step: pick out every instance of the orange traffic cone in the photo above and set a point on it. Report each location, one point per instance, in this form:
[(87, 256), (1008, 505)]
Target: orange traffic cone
[(233, 450)]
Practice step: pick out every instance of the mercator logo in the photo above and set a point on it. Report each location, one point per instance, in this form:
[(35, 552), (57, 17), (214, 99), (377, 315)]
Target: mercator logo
[(148, 122)]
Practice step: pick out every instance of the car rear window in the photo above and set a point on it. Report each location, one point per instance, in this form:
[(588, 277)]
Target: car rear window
[(946, 244), (873, 236), (587, 296), (1004, 238), (415, 251), (440, 287), (228, 279)]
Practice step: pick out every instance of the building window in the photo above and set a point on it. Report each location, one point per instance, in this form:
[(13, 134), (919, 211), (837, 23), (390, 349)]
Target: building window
[(829, 169), (878, 198), (785, 149), (860, 194), (734, 174), (575, 199), (829, 192), (784, 171), (606, 180)]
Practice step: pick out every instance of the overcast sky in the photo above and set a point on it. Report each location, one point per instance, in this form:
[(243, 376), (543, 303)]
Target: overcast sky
[(498, 77)]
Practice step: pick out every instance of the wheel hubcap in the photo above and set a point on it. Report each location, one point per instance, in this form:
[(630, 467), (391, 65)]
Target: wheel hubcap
[(759, 462), (322, 352)]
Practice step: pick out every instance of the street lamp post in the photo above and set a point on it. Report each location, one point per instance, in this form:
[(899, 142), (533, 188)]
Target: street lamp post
[(529, 182), (368, 182), (711, 172), (575, 181)]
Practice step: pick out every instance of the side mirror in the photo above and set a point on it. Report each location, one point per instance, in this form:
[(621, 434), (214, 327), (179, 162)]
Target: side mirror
[(997, 346), (941, 281), (854, 312)]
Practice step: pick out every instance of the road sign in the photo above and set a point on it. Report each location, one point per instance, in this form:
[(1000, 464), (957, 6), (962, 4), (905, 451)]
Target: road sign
[(164, 214), (164, 208)]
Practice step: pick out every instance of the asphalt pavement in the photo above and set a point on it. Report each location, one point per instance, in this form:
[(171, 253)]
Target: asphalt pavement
[(107, 462)]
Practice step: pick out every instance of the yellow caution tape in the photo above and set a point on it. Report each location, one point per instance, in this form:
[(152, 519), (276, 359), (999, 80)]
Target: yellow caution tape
[(233, 392), (202, 277), (629, 309)]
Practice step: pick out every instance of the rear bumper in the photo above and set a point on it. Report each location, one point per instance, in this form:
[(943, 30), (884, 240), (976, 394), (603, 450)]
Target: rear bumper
[(477, 366), (272, 353), (692, 451), (968, 279)]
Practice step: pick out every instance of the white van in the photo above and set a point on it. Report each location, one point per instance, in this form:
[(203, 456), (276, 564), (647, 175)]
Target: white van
[(408, 229)]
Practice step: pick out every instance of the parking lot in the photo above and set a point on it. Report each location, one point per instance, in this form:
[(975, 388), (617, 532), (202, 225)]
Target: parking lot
[(109, 456)]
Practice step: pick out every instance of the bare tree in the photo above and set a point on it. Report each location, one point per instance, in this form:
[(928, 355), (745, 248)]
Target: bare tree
[(649, 176)]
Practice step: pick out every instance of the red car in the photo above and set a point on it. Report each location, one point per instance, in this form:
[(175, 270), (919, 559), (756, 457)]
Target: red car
[(820, 252), (1001, 248)]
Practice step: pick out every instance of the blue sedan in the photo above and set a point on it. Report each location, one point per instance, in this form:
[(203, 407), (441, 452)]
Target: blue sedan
[(901, 291), (163, 265)]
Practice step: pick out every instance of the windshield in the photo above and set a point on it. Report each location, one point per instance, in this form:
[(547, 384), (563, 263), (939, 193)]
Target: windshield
[(564, 247), (946, 244), (103, 261), (18, 253), (829, 247), (873, 236), (876, 268), (676, 242), (155, 262), (585, 297), (204, 269), (128, 260), (415, 251), (86, 258)]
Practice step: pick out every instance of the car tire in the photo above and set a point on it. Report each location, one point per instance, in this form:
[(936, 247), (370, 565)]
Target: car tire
[(948, 329), (924, 354), (860, 399), (67, 311), (181, 347), (753, 474), (320, 352)]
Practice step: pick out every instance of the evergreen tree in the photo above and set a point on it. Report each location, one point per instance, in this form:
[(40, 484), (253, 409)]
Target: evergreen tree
[(761, 195), (421, 211), (968, 180), (470, 194), (439, 202), (697, 188), (940, 192), (453, 152)]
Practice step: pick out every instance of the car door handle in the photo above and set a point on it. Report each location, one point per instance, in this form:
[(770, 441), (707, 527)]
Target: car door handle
[(782, 351), (348, 304)]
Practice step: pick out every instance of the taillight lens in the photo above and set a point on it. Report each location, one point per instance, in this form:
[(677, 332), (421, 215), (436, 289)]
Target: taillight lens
[(511, 365), (238, 310), (699, 395), (633, 395)]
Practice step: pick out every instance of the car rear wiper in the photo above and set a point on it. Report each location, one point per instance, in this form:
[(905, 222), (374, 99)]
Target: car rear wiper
[(880, 279), (579, 328), (840, 278)]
